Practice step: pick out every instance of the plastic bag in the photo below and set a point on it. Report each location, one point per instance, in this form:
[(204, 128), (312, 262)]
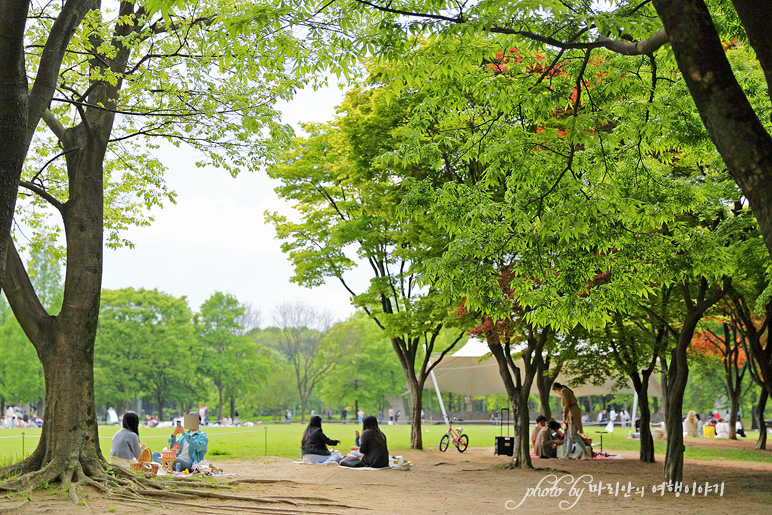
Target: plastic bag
[(399, 463)]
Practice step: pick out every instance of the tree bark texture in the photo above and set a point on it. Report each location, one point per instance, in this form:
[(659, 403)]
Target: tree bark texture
[(641, 386), (758, 412), (13, 115), (518, 387), (728, 116), (678, 373), (544, 382), (416, 405)]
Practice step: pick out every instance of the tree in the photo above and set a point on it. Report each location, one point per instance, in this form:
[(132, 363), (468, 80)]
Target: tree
[(21, 377), (160, 64), (727, 346), (229, 359), (635, 342), (21, 107), (731, 114), (370, 370), (145, 344), (348, 199), (304, 339)]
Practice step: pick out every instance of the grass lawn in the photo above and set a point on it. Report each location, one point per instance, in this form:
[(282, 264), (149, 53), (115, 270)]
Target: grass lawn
[(272, 439)]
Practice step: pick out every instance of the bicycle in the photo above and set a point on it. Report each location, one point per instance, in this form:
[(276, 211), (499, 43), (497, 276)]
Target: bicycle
[(460, 440)]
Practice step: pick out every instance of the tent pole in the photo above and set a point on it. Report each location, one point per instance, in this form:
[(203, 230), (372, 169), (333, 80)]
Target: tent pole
[(439, 398), (635, 409)]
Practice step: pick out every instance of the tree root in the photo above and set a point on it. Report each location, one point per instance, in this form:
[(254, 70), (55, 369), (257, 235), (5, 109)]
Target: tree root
[(31, 480), (121, 484), (13, 508), (225, 507)]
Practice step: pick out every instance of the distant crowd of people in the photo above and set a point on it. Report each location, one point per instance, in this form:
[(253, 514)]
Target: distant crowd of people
[(715, 426), (15, 417), (112, 418)]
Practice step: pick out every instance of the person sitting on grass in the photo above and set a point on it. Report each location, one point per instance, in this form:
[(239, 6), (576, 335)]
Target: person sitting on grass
[(193, 443), (547, 441), (314, 444), (126, 440), (541, 422), (375, 452), (722, 428)]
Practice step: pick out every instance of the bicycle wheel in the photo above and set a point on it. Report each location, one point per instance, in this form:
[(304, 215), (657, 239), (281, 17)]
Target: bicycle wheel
[(462, 443), (444, 441)]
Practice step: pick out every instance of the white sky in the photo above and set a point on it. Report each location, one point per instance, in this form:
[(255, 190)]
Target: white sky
[(215, 237)]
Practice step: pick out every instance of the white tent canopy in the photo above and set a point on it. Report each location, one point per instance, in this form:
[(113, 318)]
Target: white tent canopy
[(465, 373)]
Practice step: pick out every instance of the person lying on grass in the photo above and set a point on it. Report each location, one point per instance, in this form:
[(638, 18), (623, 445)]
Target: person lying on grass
[(314, 444), (373, 448)]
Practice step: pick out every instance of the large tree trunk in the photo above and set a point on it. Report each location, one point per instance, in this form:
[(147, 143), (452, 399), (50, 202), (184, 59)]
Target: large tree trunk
[(13, 115), (416, 405), (518, 388), (69, 442), (544, 383), (729, 118), (758, 412), (522, 452)]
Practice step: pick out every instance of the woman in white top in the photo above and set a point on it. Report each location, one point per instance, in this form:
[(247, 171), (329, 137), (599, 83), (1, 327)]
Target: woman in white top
[(126, 440), (722, 429)]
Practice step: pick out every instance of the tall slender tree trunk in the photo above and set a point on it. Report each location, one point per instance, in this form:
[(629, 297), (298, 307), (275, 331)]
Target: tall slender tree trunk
[(734, 403), (416, 405), (13, 115), (518, 387), (303, 403), (646, 454), (761, 443), (219, 403), (160, 402)]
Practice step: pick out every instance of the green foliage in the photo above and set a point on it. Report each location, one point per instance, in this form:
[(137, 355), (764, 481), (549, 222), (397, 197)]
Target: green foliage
[(21, 374), (189, 79), (368, 372), (146, 345), (347, 199), (228, 357)]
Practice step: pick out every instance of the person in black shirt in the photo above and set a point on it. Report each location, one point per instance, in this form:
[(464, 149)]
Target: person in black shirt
[(314, 444), (375, 452)]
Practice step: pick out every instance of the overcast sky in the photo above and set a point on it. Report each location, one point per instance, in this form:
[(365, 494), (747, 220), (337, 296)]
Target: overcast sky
[(215, 238)]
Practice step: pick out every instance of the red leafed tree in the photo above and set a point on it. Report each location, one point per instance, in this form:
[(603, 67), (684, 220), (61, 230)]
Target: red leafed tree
[(723, 338)]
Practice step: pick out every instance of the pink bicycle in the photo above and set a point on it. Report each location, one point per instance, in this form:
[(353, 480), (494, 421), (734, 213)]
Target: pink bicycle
[(460, 440)]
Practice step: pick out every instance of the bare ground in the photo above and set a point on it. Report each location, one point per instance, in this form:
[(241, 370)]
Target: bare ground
[(455, 484)]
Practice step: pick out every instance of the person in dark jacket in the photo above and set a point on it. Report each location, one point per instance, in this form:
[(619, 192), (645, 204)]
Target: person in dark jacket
[(314, 444), (373, 448)]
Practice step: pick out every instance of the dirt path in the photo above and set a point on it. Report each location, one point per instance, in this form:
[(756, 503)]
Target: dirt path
[(473, 482)]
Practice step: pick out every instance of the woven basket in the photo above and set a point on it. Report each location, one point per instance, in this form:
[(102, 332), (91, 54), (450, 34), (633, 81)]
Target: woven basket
[(151, 467)]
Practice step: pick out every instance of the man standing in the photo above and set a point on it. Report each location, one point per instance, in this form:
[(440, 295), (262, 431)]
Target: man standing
[(344, 414)]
